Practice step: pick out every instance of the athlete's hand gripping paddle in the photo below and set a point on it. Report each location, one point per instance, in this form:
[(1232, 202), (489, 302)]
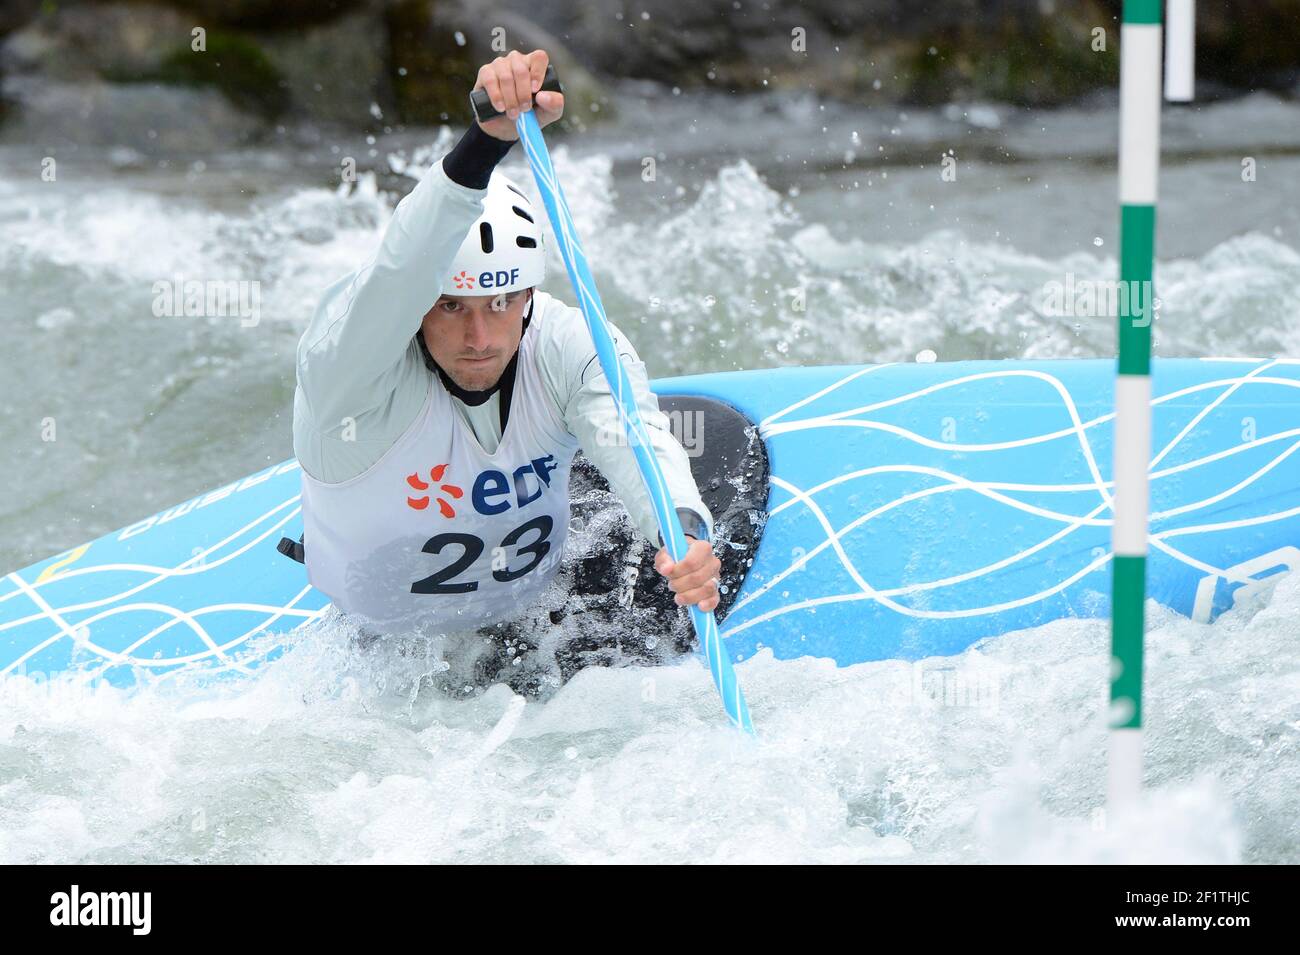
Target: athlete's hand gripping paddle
[(584, 287)]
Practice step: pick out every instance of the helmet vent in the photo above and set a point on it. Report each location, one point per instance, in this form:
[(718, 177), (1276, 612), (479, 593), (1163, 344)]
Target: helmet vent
[(520, 212), (516, 191), (485, 237), (526, 242)]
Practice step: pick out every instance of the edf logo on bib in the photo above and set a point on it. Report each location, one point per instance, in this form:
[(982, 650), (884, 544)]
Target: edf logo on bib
[(497, 279), (493, 491)]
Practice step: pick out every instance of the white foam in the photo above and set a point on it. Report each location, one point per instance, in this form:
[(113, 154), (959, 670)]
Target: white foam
[(996, 755)]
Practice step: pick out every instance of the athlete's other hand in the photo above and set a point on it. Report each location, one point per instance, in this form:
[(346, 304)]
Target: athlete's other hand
[(694, 578), (511, 81)]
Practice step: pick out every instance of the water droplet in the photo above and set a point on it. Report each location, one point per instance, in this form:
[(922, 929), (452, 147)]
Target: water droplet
[(1121, 711)]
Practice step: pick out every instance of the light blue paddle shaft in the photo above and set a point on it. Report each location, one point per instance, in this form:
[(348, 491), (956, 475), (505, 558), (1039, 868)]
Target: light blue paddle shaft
[(584, 286)]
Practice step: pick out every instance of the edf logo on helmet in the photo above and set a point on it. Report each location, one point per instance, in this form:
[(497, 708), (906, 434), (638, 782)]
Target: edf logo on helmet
[(488, 279)]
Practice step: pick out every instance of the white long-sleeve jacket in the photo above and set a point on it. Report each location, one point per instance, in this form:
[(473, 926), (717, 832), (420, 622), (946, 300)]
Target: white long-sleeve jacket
[(362, 379)]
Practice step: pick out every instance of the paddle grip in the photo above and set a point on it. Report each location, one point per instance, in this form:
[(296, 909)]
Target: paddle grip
[(481, 103)]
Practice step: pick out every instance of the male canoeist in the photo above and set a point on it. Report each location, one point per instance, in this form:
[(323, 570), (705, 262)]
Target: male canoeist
[(441, 398)]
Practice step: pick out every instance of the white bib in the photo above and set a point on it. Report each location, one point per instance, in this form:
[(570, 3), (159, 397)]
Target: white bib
[(439, 533)]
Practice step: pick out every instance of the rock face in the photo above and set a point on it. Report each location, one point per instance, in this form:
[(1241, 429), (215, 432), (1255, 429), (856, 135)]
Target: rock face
[(336, 72), (365, 64), (294, 15), (15, 13), (437, 48), (117, 72), (111, 41), (150, 118), (1026, 51), (357, 64)]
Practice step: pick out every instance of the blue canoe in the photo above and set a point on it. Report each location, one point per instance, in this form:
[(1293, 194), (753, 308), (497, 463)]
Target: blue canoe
[(911, 510)]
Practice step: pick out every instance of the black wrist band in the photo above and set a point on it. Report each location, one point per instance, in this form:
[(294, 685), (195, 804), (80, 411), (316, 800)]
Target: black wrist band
[(471, 161)]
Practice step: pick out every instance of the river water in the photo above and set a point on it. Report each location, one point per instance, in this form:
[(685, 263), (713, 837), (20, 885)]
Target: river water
[(706, 220)]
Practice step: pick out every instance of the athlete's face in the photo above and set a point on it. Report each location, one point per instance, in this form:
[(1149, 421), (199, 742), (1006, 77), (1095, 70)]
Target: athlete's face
[(473, 337)]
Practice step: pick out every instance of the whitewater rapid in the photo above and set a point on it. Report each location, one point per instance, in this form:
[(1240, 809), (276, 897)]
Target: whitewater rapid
[(996, 755)]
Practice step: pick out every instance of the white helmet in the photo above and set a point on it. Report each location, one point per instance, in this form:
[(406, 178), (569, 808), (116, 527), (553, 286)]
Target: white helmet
[(503, 251)]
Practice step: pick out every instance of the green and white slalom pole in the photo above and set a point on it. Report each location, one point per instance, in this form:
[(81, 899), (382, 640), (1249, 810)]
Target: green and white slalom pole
[(1139, 167), (584, 287), (1180, 51)]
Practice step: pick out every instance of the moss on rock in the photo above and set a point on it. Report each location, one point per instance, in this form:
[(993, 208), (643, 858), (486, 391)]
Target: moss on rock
[(233, 64), (1030, 61), (430, 71)]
